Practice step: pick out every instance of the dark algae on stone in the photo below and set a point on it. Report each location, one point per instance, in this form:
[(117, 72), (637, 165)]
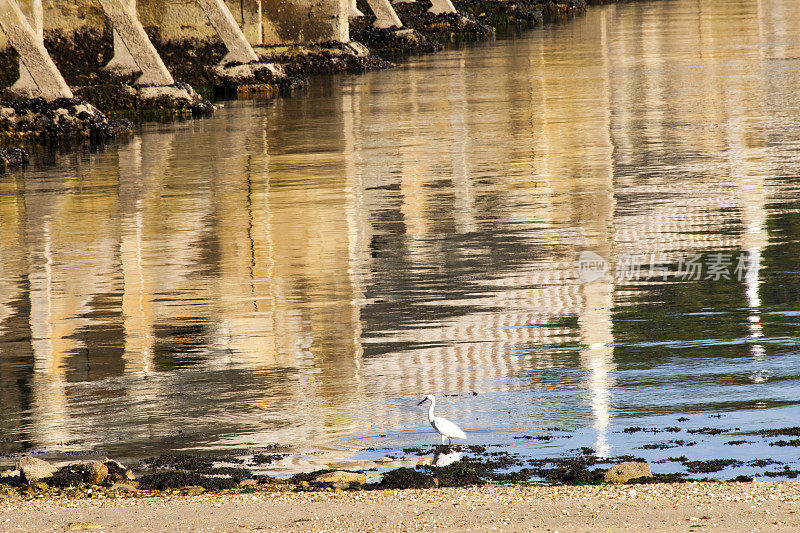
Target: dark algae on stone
[(711, 465), (422, 32), (406, 478), (178, 479), (36, 120), (176, 471)]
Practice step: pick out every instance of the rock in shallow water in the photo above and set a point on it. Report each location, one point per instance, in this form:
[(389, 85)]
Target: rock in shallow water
[(624, 472), (96, 472), (118, 473), (34, 469)]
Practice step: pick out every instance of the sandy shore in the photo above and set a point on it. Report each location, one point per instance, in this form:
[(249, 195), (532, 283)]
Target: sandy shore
[(758, 506)]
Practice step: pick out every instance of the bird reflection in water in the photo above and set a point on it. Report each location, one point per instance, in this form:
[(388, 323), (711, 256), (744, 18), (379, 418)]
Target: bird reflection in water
[(445, 459)]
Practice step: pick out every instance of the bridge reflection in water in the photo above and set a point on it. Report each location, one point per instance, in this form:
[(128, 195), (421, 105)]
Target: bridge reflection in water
[(288, 271)]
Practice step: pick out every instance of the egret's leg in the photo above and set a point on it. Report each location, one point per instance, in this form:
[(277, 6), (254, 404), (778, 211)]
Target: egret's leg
[(443, 439)]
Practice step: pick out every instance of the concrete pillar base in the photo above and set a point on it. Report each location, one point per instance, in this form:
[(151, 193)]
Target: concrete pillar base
[(358, 49), (437, 8), (34, 13), (354, 12), (123, 63), (136, 52), (249, 71), (180, 92), (386, 17), (442, 6), (39, 75), (25, 84), (239, 49)]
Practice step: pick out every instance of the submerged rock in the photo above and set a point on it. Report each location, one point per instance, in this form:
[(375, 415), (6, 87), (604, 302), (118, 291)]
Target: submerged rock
[(118, 473), (96, 472), (624, 472), (33, 469)]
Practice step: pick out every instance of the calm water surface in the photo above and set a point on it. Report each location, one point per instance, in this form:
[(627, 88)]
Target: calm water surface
[(304, 271)]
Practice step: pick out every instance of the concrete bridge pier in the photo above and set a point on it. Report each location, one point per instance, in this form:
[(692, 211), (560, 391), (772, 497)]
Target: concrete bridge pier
[(32, 9), (442, 6), (354, 11), (123, 62), (39, 76), (241, 60), (437, 8), (386, 16), (133, 50), (137, 54), (252, 21), (220, 17)]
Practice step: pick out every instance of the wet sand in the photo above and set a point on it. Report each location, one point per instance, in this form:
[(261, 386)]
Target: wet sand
[(730, 507)]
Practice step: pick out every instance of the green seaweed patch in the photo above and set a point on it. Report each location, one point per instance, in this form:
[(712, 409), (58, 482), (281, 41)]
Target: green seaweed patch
[(458, 474)]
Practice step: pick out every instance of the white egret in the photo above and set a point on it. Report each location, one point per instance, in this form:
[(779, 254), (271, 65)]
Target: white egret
[(446, 429)]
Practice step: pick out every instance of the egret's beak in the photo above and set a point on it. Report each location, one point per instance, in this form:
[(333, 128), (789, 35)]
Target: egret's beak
[(423, 401)]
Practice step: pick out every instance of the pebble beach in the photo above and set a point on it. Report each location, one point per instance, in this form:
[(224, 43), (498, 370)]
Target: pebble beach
[(730, 507)]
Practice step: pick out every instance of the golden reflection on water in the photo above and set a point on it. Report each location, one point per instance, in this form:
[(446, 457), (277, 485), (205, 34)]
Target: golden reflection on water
[(227, 276)]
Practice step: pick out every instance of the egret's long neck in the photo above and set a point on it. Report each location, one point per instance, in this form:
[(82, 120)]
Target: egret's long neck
[(430, 410)]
